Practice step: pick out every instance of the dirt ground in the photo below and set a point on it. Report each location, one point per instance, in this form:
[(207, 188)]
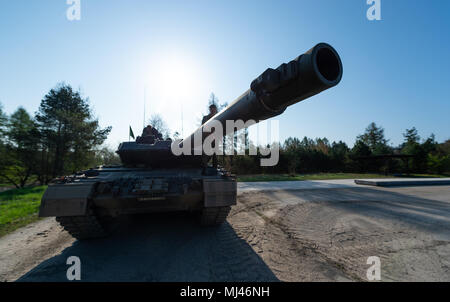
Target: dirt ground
[(327, 235), (316, 234)]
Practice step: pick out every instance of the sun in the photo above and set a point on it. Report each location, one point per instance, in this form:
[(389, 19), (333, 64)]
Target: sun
[(173, 77), (177, 86)]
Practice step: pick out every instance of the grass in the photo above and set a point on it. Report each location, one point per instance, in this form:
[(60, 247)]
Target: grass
[(315, 176), (324, 176), (19, 207), (424, 175)]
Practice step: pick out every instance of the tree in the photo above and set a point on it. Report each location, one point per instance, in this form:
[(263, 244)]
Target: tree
[(291, 148), (339, 155), (213, 100), (22, 130), (411, 136), (374, 138), (322, 145), (420, 151), (3, 150), (3, 121), (21, 160), (443, 149), (157, 122), (438, 164), (106, 157), (69, 131), (11, 170), (358, 152)]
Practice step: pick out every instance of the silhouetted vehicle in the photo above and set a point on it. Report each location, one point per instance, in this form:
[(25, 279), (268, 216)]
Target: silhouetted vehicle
[(153, 179)]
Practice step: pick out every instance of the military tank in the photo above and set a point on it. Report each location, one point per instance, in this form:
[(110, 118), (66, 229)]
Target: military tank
[(153, 179)]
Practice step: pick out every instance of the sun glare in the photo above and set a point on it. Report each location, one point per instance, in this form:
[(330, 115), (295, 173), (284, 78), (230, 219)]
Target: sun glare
[(175, 77), (177, 87)]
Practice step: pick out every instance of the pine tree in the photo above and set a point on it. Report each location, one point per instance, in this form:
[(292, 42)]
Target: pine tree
[(69, 131)]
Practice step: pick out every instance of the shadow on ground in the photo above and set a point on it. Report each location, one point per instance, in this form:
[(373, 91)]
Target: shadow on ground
[(159, 247)]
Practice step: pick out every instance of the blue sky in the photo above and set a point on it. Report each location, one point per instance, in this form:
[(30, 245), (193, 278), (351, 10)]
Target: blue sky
[(396, 71)]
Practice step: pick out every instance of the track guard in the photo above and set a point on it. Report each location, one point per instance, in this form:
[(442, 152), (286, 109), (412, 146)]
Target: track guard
[(66, 200)]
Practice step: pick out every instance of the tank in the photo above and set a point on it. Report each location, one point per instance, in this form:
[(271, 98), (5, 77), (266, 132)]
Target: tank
[(153, 179)]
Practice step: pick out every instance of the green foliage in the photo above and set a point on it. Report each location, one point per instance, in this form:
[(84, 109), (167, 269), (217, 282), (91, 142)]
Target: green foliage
[(20, 158), (374, 138), (444, 148), (339, 155), (12, 170), (438, 164), (19, 207), (370, 153), (411, 136), (292, 150), (22, 130), (62, 138), (3, 121), (106, 157), (420, 152), (361, 149), (69, 132)]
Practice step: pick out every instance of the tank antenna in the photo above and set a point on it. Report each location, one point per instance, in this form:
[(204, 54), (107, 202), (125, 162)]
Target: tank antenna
[(182, 124), (145, 94)]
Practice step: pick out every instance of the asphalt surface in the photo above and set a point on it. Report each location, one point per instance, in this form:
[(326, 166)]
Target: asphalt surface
[(295, 185)]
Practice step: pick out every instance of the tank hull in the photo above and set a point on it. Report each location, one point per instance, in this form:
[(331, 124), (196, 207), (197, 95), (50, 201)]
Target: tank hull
[(82, 202)]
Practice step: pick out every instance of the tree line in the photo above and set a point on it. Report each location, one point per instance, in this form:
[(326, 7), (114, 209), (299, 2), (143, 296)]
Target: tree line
[(370, 153), (64, 137), (61, 138)]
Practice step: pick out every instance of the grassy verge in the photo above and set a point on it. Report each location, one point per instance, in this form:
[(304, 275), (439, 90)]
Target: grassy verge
[(19, 207), (315, 176), (324, 176), (424, 175)]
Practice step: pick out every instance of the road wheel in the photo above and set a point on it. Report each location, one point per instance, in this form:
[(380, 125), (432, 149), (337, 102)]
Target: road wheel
[(82, 227)]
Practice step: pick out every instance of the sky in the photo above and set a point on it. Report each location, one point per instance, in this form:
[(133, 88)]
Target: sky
[(170, 55)]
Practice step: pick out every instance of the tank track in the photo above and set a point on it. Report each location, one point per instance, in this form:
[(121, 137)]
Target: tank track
[(214, 216), (82, 227)]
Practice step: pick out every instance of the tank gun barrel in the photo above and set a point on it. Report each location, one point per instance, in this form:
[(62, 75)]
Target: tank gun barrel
[(318, 69)]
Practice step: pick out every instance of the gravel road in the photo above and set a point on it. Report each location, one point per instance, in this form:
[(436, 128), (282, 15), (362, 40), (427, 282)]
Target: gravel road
[(288, 231)]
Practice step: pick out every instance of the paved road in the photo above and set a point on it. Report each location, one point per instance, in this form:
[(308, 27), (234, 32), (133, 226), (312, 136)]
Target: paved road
[(337, 184), (296, 185)]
